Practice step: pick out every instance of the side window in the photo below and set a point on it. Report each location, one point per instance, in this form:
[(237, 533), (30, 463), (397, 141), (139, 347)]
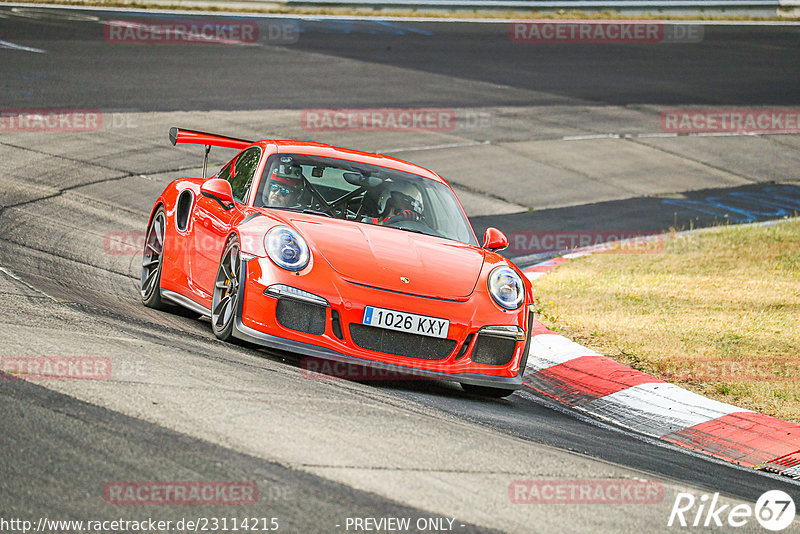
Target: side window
[(244, 170), (225, 173)]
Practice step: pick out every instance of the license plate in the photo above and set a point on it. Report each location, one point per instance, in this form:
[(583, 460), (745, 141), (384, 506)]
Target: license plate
[(405, 322)]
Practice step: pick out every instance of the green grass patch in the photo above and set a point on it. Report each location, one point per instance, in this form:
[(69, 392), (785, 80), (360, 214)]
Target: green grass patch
[(717, 312)]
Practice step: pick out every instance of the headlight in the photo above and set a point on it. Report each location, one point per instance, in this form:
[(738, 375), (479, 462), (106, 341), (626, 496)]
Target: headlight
[(287, 248), (506, 287)]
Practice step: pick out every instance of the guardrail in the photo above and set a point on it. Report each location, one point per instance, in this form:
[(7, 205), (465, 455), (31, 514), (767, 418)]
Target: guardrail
[(752, 7)]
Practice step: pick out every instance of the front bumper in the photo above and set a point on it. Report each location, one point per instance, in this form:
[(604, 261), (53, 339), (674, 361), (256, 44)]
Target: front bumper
[(455, 367)]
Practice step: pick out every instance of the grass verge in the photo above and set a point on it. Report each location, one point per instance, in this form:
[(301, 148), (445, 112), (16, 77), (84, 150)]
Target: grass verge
[(716, 312)]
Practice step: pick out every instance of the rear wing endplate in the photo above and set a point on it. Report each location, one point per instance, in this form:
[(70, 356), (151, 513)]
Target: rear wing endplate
[(194, 137)]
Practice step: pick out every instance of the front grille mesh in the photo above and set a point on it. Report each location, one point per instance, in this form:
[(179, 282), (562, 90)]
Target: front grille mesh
[(493, 350), (401, 343), (301, 316)]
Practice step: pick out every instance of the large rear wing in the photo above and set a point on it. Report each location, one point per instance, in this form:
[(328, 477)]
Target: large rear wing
[(194, 137)]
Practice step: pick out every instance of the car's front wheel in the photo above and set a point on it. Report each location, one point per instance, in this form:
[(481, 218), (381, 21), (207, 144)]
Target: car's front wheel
[(226, 293), (484, 391)]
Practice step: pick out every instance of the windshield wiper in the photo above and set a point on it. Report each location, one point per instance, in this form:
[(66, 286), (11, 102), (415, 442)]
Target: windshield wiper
[(316, 212), (431, 233), (300, 210)]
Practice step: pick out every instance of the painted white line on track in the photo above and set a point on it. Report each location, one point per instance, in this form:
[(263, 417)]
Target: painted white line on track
[(13, 46), (433, 147), (26, 284), (590, 137), (659, 134)]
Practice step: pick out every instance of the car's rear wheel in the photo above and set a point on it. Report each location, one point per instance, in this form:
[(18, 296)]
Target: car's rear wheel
[(225, 297), (484, 391), (152, 259)]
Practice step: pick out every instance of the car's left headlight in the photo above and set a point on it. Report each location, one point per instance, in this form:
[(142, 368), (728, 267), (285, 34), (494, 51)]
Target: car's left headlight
[(506, 287), (287, 248)]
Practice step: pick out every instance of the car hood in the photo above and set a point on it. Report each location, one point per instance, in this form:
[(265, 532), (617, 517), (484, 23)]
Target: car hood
[(384, 257)]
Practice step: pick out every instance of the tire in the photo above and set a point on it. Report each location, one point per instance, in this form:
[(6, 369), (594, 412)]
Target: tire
[(485, 391), (152, 261), (226, 293)]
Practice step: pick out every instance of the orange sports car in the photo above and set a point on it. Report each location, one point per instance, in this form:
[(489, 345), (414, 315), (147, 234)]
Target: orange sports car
[(342, 255)]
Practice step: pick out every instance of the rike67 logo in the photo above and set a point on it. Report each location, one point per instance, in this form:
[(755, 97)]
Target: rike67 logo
[(774, 510)]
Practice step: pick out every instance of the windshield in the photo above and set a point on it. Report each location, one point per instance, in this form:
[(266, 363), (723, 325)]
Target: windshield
[(362, 193)]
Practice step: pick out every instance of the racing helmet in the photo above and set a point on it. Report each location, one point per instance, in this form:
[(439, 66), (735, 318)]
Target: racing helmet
[(400, 195)]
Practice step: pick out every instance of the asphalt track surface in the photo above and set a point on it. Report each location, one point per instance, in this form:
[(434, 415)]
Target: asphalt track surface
[(182, 406), (731, 65)]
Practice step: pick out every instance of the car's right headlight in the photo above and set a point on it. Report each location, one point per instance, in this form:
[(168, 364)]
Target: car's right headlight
[(506, 287), (287, 248)]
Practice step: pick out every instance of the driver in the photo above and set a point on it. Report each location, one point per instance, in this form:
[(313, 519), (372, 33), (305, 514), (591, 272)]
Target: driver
[(284, 186), (399, 201)]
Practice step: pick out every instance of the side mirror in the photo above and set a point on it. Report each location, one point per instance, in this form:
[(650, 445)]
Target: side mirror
[(494, 240), (219, 190)]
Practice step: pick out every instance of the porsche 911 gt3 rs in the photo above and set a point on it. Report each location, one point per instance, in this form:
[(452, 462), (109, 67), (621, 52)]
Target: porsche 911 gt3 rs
[(343, 255)]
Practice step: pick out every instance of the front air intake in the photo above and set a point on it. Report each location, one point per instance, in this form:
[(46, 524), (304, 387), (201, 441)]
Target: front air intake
[(493, 350), (401, 343), (301, 316)]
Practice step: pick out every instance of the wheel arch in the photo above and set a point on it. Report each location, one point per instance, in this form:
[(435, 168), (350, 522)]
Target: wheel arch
[(159, 204)]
